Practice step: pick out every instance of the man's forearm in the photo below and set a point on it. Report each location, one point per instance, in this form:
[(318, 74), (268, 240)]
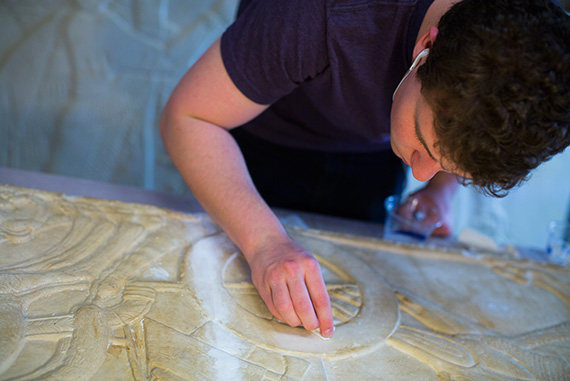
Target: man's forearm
[(212, 165)]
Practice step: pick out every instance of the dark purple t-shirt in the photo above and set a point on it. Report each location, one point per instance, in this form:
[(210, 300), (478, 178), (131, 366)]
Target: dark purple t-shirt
[(327, 67)]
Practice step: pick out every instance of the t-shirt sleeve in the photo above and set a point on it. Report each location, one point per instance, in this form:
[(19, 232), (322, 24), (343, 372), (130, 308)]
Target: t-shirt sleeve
[(274, 46)]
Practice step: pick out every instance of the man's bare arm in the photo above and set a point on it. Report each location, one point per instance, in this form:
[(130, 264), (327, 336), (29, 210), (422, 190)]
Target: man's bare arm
[(194, 127)]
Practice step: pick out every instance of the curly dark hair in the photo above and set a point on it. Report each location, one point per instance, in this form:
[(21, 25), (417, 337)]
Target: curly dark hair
[(498, 80)]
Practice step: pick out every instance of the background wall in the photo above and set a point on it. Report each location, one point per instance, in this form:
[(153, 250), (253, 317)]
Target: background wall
[(83, 83)]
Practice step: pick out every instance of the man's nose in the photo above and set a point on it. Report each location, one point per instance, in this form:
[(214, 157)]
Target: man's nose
[(425, 172)]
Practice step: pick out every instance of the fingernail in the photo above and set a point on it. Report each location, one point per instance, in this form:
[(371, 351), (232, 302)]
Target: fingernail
[(328, 332)]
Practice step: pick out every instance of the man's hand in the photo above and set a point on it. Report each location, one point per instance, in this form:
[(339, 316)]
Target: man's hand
[(438, 193), (430, 199), (289, 280)]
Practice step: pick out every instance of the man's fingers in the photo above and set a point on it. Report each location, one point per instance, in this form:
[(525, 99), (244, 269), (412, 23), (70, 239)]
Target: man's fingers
[(321, 301), (283, 304), (302, 303), (268, 299)]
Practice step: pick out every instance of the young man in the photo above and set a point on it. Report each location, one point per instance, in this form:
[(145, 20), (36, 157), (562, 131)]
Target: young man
[(323, 88)]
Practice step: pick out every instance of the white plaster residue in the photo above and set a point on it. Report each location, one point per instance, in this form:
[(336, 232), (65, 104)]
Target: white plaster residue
[(159, 273), (205, 269), (225, 367)]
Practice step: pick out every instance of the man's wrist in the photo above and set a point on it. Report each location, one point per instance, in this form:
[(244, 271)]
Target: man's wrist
[(260, 240)]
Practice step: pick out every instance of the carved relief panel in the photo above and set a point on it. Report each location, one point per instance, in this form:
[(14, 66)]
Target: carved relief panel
[(97, 289)]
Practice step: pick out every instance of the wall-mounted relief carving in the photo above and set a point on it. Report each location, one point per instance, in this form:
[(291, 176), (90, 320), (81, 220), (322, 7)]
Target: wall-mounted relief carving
[(93, 289)]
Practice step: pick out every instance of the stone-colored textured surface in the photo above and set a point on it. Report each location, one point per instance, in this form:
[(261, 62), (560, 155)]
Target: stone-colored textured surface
[(107, 290)]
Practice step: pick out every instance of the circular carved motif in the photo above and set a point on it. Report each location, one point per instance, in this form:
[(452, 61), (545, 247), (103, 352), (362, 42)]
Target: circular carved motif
[(364, 306)]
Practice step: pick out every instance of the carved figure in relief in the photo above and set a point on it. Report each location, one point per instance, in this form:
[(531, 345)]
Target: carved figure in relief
[(89, 288), (462, 349), (80, 248)]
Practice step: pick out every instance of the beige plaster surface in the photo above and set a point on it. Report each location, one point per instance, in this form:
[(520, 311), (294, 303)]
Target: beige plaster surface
[(95, 289)]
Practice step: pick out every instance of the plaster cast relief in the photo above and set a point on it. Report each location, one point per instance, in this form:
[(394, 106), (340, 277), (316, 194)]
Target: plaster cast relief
[(96, 289)]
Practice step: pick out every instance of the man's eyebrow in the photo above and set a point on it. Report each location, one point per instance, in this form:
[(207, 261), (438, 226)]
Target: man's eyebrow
[(420, 137)]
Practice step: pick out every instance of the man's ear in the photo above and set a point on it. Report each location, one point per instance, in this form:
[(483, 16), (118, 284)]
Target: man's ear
[(425, 41)]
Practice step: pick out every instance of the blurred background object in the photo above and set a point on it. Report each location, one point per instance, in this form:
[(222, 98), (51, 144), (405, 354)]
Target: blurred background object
[(84, 82)]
